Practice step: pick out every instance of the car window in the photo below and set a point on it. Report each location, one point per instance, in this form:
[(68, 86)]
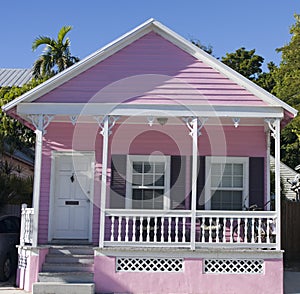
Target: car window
[(2, 227), (11, 225)]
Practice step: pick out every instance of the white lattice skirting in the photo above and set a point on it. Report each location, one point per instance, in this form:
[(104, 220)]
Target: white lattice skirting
[(234, 266), (126, 264)]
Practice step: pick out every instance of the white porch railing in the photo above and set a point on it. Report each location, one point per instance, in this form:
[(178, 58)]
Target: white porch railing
[(248, 229), (26, 234)]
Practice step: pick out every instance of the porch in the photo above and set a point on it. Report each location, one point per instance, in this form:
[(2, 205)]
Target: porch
[(176, 229)]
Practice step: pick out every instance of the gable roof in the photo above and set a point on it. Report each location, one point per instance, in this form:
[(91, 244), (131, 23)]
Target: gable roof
[(130, 37), (14, 77)]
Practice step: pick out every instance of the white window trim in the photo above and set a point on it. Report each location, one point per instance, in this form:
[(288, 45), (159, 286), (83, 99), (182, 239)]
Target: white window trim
[(153, 158), (209, 160)]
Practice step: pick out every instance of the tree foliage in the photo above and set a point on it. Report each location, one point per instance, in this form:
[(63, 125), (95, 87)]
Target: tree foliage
[(207, 48), (287, 88), (13, 131), (56, 55), (245, 62)]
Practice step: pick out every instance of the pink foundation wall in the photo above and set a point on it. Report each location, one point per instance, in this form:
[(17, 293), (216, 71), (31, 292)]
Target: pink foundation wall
[(191, 280), (139, 139)]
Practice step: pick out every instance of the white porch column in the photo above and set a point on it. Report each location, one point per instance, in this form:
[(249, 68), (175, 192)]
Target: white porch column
[(194, 125), (40, 122), (105, 124), (277, 182), (274, 126)]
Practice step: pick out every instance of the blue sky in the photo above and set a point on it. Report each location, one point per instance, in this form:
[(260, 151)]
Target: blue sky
[(225, 25)]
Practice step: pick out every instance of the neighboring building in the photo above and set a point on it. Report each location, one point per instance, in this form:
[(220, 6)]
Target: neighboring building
[(147, 153), (14, 77)]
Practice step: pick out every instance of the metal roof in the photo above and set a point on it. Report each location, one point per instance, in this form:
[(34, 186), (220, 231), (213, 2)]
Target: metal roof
[(14, 77)]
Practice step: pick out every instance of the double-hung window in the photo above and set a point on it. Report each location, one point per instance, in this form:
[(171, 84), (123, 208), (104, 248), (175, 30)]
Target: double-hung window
[(227, 183), (148, 182)]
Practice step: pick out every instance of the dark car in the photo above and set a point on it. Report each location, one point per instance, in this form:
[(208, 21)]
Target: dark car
[(9, 238)]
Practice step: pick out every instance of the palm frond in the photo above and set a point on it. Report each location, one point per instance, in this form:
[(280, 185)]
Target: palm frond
[(62, 33), (41, 40)]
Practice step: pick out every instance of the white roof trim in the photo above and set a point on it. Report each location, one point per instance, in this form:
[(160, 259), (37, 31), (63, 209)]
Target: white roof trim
[(95, 109), (128, 38)]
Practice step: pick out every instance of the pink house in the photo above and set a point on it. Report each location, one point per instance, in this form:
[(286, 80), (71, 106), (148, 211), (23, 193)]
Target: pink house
[(148, 154)]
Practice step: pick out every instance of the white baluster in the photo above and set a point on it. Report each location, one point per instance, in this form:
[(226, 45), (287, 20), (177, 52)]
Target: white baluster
[(148, 230), (268, 222), (112, 229), (162, 229), (202, 230), (176, 229), (252, 230), (246, 220), (239, 230), (224, 229), (141, 229), (169, 229), (155, 229), (210, 230), (119, 228), (231, 229), (259, 230), (183, 230), (134, 229), (126, 228), (217, 230)]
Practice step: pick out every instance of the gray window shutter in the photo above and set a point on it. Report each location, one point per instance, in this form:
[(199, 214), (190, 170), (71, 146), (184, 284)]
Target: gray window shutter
[(177, 183), (118, 181), (256, 181)]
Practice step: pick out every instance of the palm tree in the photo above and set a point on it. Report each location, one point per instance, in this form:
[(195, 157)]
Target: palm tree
[(56, 55)]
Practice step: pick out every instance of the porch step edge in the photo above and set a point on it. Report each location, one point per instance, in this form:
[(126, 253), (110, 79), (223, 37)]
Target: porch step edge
[(68, 267), (63, 288), (66, 277)]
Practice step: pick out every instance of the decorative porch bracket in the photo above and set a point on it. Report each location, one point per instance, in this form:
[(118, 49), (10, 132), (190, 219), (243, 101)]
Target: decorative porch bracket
[(40, 122), (190, 121), (195, 125), (111, 120), (236, 121), (274, 126), (106, 123)]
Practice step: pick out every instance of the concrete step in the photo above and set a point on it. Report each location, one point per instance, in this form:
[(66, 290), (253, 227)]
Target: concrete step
[(63, 288), (68, 267), (76, 258), (71, 250), (66, 277)]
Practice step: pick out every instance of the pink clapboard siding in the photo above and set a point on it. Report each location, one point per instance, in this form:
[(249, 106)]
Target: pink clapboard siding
[(152, 70), (140, 139)]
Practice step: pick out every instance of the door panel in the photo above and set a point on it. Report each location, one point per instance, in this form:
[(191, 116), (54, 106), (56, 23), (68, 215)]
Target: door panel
[(73, 183)]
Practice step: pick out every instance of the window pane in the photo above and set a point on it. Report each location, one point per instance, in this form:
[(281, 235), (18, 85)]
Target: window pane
[(215, 181), (216, 169), (160, 180), (159, 167), (147, 167), (148, 194), (137, 194), (238, 182), (148, 180), (227, 169), (137, 180), (238, 169), (137, 167), (227, 181)]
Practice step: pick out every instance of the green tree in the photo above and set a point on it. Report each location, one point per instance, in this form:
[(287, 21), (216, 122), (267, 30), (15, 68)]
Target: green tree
[(56, 55), (245, 62), (287, 88), (208, 49), (11, 130)]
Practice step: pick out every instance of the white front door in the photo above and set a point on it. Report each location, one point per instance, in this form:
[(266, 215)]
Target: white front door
[(72, 195)]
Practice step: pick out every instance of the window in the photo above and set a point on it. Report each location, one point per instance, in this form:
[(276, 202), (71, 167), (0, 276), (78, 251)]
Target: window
[(227, 183), (148, 182)]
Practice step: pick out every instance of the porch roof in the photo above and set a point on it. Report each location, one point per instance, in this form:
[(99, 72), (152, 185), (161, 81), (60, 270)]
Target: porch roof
[(260, 102)]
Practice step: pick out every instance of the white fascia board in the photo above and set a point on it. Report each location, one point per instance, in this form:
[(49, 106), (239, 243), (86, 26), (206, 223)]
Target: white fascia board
[(94, 109)]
